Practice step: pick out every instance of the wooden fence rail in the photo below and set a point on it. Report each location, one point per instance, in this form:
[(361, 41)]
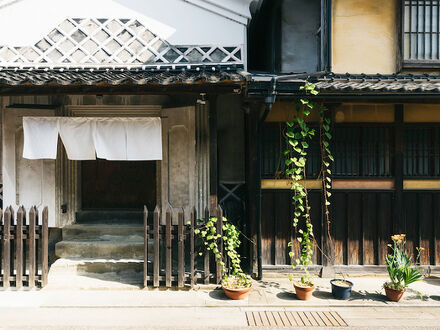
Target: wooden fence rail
[(24, 248), (171, 255)]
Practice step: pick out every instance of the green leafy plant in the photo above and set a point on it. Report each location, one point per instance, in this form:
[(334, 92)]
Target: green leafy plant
[(298, 136), (233, 276), (400, 269)]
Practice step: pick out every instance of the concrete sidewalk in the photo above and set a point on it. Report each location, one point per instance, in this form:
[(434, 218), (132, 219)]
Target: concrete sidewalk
[(207, 318), (133, 307), (275, 292)]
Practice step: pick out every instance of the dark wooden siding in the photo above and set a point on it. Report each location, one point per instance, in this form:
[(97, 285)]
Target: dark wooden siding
[(361, 225)]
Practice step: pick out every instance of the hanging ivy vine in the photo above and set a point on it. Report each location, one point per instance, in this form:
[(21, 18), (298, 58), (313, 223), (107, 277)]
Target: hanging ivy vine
[(299, 135)]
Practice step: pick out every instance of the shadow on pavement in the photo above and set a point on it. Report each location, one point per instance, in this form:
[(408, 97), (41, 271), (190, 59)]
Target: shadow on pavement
[(218, 294), (286, 295)]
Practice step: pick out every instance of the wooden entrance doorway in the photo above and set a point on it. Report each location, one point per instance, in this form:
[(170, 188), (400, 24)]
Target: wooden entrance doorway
[(123, 185)]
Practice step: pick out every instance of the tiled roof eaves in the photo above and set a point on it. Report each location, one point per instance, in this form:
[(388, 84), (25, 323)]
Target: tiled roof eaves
[(212, 75), (330, 83)]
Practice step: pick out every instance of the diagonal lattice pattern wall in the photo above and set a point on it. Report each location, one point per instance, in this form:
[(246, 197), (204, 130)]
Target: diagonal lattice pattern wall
[(112, 42)]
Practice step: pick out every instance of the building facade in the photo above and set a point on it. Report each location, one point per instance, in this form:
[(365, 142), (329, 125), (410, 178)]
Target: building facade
[(375, 64), (180, 61)]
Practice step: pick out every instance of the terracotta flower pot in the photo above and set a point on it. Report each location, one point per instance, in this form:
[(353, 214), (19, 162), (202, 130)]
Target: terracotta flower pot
[(393, 294), (302, 292), (237, 294)]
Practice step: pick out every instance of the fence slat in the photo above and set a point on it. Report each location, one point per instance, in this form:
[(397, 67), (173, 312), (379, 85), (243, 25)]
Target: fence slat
[(181, 251), (219, 214), (145, 245), (6, 246), (168, 260), (33, 214), (191, 247), (45, 247), (156, 247), (19, 248), (207, 253)]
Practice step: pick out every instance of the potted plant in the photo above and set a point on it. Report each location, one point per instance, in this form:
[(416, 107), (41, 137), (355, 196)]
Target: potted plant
[(341, 288), (236, 284), (305, 286), (400, 269), (298, 135)]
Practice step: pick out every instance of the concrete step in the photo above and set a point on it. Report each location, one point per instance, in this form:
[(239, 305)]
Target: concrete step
[(111, 249), (132, 232), (110, 217), (81, 266), (96, 274)]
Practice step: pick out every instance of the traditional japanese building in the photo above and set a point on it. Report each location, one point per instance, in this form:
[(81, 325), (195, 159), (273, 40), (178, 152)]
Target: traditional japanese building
[(376, 66), (69, 68)]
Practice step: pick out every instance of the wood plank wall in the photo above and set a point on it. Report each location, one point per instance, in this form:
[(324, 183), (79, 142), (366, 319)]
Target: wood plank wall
[(361, 225)]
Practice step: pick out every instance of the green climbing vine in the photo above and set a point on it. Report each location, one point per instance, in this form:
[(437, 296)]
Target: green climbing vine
[(233, 276), (299, 135)]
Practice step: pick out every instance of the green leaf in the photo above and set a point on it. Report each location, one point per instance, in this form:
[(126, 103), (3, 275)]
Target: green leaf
[(328, 135), (331, 157), (290, 134), (305, 144)]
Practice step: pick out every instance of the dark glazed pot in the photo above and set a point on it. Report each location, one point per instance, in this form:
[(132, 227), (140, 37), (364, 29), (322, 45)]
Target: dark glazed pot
[(303, 293), (393, 294), (339, 291), (237, 294)]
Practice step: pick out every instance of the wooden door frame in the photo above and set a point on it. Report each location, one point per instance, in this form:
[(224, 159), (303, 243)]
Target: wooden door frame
[(68, 183)]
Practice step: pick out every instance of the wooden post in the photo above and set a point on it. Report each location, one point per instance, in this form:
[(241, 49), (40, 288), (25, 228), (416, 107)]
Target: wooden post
[(399, 219), (207, 254), (213, 156), (219, 214), (168, 256), (33, 215), (251, 180), (156, 246), (6, 246), (181, 251), (45, 247), (191, 246), (19, 248), (145, 246)]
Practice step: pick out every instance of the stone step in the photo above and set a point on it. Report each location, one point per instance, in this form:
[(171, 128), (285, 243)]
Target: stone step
[(109, 217), (131, 232), (96, 274), (81, 266), (112, 249)]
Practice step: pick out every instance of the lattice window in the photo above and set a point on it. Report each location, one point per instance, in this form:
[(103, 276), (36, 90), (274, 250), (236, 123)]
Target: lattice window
[(362, 151), (421, 152), (421, 31), (93, 42)]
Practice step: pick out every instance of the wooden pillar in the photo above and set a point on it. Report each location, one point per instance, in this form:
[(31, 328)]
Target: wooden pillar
[(252, 175), (328, 247), (213, 156), (399, 219)]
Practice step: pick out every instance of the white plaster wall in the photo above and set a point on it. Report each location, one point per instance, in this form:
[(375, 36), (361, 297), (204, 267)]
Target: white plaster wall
[(180, 22), (25, 182)]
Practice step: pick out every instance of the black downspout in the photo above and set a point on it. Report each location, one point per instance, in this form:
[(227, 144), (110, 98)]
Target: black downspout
[(269, 101)]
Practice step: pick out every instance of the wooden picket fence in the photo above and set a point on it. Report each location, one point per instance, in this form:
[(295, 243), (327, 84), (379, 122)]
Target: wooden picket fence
[(24, 248), (178, 240)]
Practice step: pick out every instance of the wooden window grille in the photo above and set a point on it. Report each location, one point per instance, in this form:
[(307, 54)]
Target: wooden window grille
[(421, 152), (273, 159), (363, 151), (421, 33)]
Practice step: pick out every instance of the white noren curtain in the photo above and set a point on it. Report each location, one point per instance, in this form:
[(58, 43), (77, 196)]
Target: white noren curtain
[(111, 138)]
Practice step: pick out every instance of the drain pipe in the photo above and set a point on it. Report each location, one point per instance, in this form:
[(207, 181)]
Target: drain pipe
[(269, 101)]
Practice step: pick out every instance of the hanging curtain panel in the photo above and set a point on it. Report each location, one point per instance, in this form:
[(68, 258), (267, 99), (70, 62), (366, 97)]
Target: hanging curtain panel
[(77, 136), (108, 138), (144, 138), (40, 137)]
